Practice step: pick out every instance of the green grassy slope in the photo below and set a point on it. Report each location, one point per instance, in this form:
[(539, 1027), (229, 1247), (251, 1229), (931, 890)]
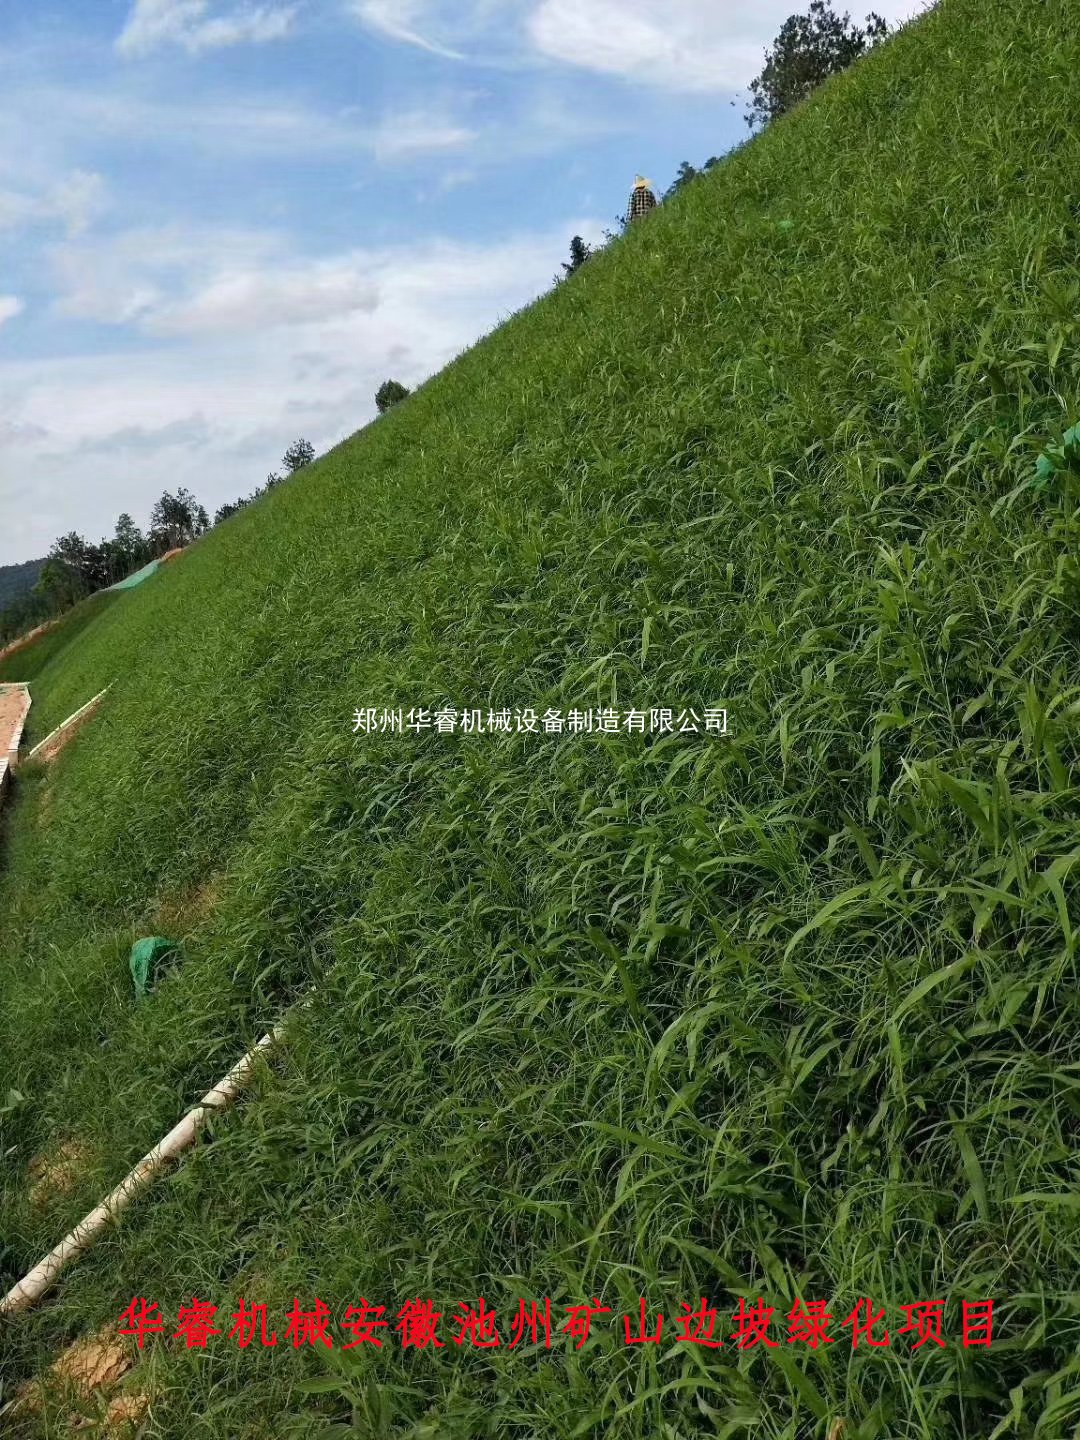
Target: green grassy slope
[(43, 663), (790, 1014)]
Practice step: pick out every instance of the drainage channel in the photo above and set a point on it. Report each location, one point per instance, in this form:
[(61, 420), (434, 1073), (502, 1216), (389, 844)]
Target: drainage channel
[(14, 707)]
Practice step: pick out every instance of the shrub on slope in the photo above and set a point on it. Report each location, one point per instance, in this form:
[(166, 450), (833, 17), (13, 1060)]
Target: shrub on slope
[(791, 1014)]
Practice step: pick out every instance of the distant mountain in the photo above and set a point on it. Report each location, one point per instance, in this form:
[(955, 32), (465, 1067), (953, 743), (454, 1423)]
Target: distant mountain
[(16, 580)]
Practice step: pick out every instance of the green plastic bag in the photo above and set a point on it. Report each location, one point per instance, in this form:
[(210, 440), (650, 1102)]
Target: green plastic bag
[(1057, 458), (145, 955)]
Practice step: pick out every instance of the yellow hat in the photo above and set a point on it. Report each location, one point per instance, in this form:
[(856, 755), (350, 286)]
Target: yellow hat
[(640, 183)]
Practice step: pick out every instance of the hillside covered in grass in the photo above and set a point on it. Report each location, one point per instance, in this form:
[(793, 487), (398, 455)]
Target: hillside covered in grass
[(787, 1014), (49, 653)]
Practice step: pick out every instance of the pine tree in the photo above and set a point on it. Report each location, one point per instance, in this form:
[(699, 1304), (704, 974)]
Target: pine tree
[(808, 49)]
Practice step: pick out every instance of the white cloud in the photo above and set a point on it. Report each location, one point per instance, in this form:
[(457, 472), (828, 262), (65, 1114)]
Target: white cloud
[(454, 180), (248, 300), (10, 306), (251, 125), (191, 25), (17, 209), (234, 283), (263, 345), (134, 277), (397, 19), (74, 202), (417, 132), (681, 45), (12, 433), (79, 200)]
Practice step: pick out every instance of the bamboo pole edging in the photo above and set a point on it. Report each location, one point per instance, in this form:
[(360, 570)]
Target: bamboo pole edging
[(66, 724), (46, 1272)]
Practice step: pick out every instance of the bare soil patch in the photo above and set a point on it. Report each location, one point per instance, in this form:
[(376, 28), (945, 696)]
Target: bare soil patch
[(55, 1174)]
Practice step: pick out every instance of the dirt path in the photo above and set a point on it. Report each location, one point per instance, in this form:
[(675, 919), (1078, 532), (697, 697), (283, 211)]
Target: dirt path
[(14, 704)]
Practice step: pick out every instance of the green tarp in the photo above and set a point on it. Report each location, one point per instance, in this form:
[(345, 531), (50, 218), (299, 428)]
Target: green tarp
[(145, 957), (139, 576)]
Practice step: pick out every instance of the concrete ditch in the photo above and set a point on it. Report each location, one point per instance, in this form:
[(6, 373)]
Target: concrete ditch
[(14, 708)]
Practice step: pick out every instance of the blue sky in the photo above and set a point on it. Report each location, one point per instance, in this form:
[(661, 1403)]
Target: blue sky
[(224, 222)]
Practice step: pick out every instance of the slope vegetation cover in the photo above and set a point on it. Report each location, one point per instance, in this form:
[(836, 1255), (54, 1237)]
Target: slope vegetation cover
[(790, 1014), (49, 652)]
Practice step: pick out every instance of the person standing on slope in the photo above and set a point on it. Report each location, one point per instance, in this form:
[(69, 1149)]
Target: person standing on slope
[(642, 200)]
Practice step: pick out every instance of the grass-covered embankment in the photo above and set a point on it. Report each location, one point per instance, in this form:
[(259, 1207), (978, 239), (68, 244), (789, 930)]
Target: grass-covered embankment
[(44, 660), (790, 1014)]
